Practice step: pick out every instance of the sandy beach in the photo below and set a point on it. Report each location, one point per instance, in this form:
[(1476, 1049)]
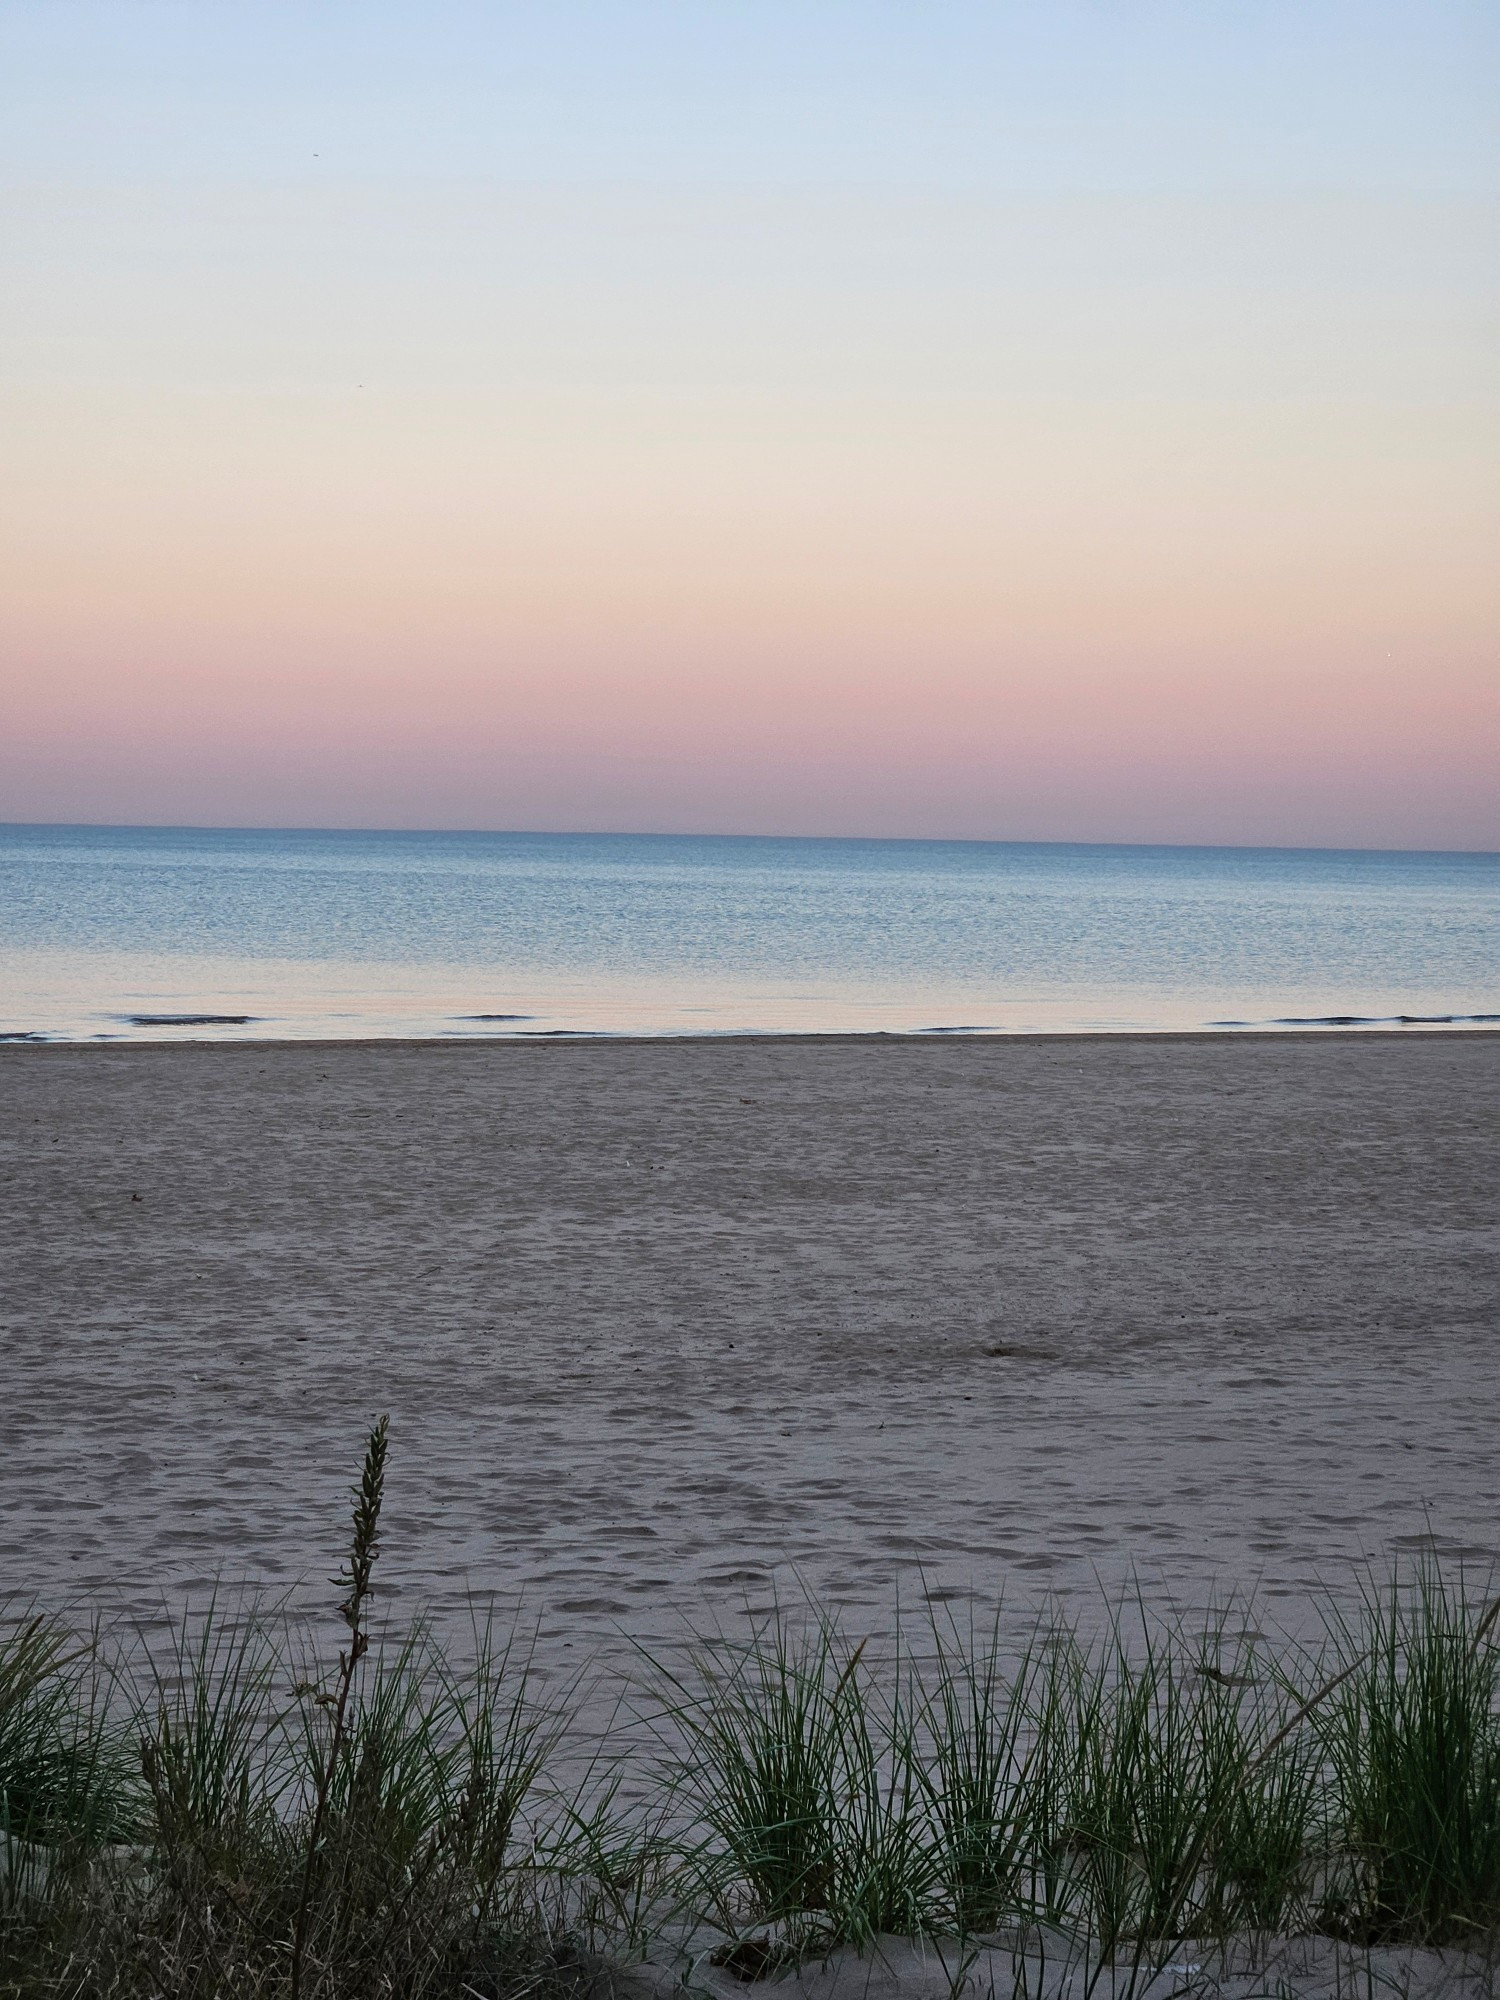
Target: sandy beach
[(656, 1321)]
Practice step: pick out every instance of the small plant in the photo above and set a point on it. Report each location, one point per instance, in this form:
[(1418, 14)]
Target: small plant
[(984, 1779), (760, 1766), (1413, 1743), (1259, 1841), (66, 1790), (807, 1786), (209, 1741), (1169, 1798)]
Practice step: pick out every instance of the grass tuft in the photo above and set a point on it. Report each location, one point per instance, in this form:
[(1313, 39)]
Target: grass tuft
[(1412, 1739), (65, 1779)]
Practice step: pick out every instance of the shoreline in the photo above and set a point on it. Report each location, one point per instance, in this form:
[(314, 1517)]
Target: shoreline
[(795, 1038)]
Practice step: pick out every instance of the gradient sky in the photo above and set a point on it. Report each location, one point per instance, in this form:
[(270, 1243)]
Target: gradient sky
[(1054, 420)]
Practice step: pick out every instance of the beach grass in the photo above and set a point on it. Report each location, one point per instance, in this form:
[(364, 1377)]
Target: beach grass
[(804, 1784), (66, 1782), (231, 1815), (1413, 1753)]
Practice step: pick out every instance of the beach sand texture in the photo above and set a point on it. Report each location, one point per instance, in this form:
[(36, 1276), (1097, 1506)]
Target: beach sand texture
[(654, 1320)]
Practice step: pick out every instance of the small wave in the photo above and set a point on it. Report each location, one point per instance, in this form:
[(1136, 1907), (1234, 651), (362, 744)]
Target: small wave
[(494, 1017), (1326, 1021), (1444, 1020), (188, 1020), (966, 1028), (1377, 1021), (22, 1035)]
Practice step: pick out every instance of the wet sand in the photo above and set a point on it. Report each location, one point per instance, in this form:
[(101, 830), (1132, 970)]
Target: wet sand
[(656, 1320)]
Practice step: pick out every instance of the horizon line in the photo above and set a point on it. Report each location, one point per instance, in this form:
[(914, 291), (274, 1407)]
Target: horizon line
[(823, 839)]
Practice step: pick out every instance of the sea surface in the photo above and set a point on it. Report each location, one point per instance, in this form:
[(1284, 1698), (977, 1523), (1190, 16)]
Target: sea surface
[(135, 933)]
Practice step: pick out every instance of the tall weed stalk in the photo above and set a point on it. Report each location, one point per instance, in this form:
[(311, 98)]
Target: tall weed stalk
[(328, 1768)]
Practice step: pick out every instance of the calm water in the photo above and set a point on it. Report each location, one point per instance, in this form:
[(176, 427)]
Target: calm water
[(139, 933)]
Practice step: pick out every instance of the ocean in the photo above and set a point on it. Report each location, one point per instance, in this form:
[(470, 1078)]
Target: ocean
[(168, 933)]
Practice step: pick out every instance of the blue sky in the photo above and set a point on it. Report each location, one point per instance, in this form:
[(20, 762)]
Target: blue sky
[(1049, 96)]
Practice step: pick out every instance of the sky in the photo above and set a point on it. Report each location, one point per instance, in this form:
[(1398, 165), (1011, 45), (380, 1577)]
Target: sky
[(1063, 420)]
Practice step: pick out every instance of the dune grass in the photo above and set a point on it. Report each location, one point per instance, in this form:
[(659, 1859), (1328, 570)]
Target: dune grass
[(1413, 1751), (65, 1777), (804, 1786), (233, 1817), (1128, 1793)]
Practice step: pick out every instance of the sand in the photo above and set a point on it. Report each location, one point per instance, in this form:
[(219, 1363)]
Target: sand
[(659, 1323), (1035, 1969)]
